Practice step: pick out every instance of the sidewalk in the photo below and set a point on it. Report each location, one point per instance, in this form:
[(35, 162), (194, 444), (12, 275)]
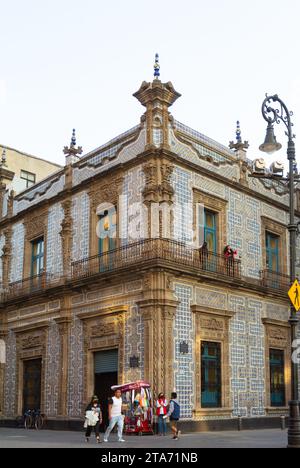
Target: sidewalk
[(20, 438)]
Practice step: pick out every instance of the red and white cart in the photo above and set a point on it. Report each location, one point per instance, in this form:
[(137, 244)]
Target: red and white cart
[(137, 398)]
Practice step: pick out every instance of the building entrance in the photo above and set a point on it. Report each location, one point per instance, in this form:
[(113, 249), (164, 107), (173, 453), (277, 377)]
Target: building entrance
[(106, 375), (32, 384)]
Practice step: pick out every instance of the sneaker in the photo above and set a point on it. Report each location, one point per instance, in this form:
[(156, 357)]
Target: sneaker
[(87, 439), (105, 440), (178, 433), (98, 440), (121, 440)]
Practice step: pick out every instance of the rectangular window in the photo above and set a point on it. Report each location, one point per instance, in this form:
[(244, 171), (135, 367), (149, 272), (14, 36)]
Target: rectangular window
[(210, 230), (272, 250), (108, 239), (277, 380), (29, 178), (211, 383), (37, 258)]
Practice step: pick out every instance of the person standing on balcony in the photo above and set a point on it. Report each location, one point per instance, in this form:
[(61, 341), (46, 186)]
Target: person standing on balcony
[(161, 411), (229, 255), (203, 255)]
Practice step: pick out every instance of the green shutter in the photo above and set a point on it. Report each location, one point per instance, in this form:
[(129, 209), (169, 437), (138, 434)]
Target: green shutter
[(106, 361)]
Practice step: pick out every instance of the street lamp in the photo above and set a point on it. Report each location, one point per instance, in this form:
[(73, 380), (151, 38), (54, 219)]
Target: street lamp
[(277, 115)]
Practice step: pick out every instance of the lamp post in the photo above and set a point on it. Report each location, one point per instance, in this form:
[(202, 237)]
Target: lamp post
[(272, 115)]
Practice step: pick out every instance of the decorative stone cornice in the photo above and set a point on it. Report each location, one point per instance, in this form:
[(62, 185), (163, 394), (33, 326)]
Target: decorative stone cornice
[(163, 93), (107, 193)]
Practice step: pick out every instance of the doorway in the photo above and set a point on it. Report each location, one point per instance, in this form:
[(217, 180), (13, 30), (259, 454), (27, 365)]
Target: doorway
[(32, 377), (106, 375)]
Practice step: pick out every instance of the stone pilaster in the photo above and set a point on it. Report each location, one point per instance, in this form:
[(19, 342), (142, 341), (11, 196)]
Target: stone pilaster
[(66, 236), (10, 205), (2, 195), (3, 336), (6, 258), (64, 326), (158, 308), (158, 194)]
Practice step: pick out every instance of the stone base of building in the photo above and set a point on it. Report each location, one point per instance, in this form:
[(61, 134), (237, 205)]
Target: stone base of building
[(217, 425)]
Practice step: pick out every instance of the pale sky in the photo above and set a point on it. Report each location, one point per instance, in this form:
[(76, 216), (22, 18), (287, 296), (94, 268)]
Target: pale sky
[(68, 64)]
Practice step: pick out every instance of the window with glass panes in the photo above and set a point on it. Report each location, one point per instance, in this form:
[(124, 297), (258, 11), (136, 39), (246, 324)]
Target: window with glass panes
[(211, 383), (108, 231), (210, 230), (277, 380), (37, 258), (29, 178), (272, 251)]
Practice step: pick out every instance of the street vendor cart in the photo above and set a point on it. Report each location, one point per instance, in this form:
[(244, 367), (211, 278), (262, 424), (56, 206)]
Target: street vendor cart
[(138, 407)]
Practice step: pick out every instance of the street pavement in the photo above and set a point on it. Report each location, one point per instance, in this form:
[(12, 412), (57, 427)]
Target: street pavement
[(21, 438)]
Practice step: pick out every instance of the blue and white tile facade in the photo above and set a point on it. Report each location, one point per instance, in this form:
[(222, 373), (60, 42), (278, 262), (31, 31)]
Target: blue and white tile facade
[(40, 192), (17, 260), (54, 241), (183, 211), (10, 376), (133, 215), (52, 371), (184, 367), (244, 231), (81, 226), (75, 383), (247, 357)]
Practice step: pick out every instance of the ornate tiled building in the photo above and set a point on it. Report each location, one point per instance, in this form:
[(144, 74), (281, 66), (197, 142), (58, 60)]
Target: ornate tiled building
[(104, 279)]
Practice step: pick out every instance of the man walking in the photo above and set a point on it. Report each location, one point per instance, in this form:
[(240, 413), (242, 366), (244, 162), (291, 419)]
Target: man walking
[(115, 416)]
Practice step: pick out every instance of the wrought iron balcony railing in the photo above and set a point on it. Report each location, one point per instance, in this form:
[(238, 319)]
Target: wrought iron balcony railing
[(148, 250), (151, 252), (30, 286), (272, 279)]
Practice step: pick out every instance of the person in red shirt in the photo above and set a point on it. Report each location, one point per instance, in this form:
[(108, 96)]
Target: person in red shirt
[(161, 411)]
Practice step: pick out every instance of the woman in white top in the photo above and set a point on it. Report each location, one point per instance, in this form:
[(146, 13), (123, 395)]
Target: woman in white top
[(115, 416)]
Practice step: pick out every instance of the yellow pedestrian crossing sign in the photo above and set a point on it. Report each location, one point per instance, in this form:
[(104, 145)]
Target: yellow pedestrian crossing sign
[(294, 295)]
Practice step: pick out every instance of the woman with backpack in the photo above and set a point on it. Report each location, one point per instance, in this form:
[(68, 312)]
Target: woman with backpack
[(174, 415)]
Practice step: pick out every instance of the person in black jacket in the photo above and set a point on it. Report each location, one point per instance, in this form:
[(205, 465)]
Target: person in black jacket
[(93, 419)]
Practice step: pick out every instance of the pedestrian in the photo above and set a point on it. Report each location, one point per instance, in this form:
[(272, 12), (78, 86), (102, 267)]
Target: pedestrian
[(115, 416), (161, 411), (174, 415), (93, 419)]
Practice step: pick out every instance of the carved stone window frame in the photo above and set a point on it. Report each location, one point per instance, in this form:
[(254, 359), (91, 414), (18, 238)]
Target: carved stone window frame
[(103, 330), (278, 336), (217, 206), (212, 325), (35, 228), (280, 230), (107, 193)]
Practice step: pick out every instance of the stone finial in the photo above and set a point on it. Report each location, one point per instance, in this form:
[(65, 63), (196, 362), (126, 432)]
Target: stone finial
[(156, 67), (239, 144), (3, 159), (72, 153)]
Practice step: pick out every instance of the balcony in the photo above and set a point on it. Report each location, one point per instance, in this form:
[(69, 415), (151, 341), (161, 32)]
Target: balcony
[(31, 286), (273, 280), (153, 252), (163, 253)]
